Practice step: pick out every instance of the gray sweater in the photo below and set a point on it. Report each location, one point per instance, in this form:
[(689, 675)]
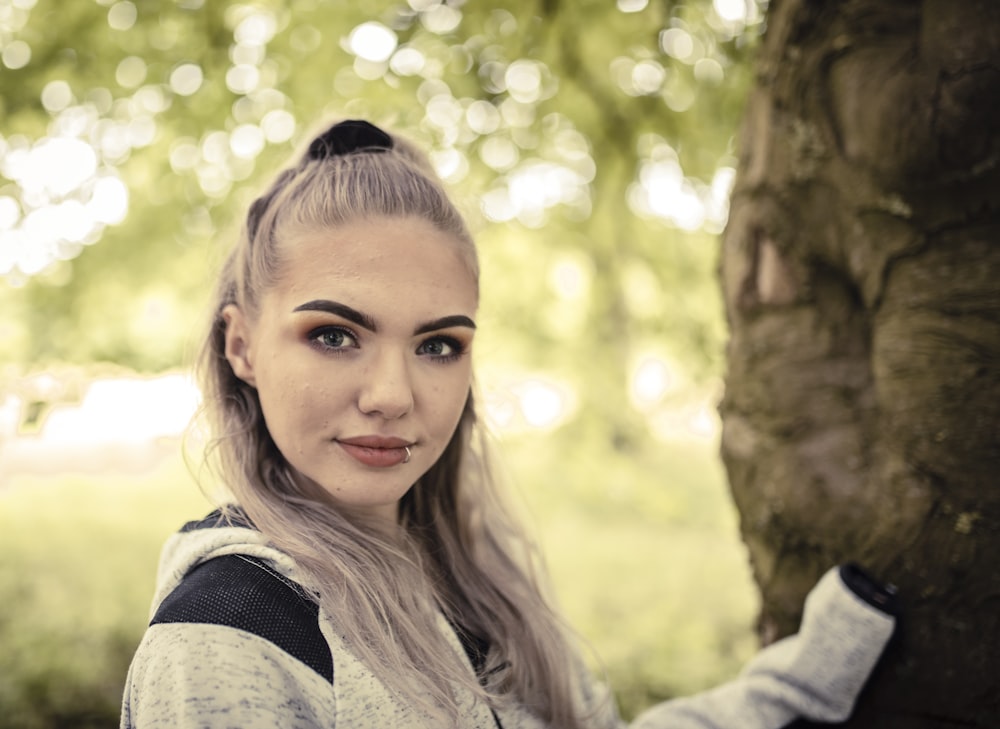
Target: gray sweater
[(235, 641)]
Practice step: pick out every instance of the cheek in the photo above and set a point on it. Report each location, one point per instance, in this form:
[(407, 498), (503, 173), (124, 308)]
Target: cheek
[(452, 400), (290, 400)]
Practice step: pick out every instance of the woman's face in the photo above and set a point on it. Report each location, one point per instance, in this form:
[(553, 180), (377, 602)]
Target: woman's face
[(361, 350)]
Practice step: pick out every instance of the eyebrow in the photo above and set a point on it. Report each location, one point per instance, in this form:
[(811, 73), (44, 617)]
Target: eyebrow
[(341, 310), (363, 320), (444, 322)]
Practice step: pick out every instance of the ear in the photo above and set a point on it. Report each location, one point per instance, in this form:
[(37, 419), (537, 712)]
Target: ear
[(238, 351)]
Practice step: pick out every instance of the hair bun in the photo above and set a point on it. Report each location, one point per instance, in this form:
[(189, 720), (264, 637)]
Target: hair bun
[(353, 135)]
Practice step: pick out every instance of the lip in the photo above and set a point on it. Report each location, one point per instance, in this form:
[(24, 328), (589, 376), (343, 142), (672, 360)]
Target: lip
[(376, 451)]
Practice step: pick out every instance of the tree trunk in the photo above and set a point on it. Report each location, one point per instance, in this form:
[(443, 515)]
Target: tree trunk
[(861, 271)]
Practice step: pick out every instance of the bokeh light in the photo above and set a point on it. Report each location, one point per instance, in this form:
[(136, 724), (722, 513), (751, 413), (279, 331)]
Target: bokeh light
[(373, 42), (16, 54), (122, 15), (66, 199), (186, 79)]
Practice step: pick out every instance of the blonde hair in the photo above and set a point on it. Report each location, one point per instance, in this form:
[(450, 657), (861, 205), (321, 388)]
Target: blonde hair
[(460, 552)]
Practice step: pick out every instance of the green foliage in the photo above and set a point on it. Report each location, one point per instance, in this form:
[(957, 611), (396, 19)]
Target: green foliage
[(607, 98), (651, 575)]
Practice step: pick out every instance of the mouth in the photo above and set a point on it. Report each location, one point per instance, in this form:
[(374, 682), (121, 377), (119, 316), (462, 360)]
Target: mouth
[(377, 452)]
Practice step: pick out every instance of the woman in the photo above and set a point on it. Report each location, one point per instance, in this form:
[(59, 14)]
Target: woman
[(366, 573)]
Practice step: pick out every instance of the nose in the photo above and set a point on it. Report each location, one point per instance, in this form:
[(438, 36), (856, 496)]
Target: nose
[(386, 388)]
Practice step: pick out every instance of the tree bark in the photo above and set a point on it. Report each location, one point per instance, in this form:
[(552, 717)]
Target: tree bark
[(861, 272)]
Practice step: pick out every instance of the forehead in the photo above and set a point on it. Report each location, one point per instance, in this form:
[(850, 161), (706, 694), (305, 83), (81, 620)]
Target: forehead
[(406, 261)]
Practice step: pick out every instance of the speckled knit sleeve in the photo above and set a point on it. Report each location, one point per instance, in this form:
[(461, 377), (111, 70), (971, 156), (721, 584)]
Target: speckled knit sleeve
[(815, 674), (189, 675)]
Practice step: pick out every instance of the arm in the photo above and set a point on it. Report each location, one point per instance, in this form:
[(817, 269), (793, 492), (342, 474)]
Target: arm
[(815, 674)]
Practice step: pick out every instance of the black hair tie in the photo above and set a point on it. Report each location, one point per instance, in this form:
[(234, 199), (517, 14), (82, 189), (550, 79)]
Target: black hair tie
[(349, 136)]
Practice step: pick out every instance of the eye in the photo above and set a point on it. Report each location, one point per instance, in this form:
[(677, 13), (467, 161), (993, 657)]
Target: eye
[(333, 338), (441, 348)]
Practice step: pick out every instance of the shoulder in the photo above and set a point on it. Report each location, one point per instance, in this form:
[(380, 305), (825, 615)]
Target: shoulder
[(242, 592), (213, 677)]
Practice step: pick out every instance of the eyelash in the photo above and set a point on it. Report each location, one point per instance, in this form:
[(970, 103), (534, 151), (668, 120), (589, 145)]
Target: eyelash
[(457, 348), (316, 335)]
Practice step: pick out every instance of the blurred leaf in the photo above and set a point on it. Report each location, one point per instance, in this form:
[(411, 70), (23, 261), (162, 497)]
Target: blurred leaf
[(582, 93)]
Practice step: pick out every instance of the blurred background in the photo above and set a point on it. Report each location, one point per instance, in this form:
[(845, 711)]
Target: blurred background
[(591, 145)]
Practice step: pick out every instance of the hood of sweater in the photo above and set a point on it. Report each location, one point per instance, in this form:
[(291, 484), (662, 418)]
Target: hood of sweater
[(216, 535)]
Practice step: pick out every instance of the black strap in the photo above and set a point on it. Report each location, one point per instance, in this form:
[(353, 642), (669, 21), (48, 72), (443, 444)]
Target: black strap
[(245, 593), (476, 649)]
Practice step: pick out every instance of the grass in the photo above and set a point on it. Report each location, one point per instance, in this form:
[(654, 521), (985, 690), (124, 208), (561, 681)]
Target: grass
[(646, 562), (644, 555), (77, 563)]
